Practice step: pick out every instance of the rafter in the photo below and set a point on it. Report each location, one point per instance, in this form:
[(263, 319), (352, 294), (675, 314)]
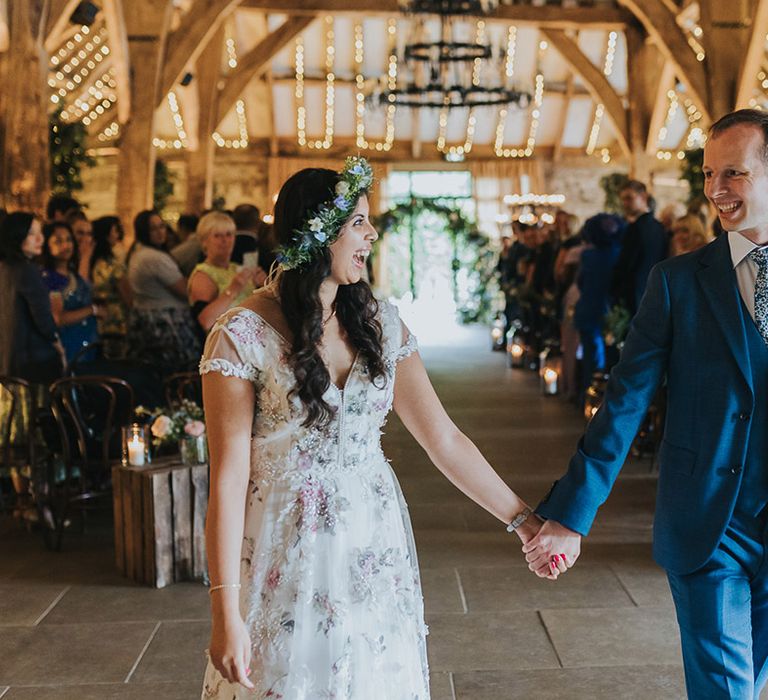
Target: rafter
[(597, 84), (118, 50), (754, 55), (660, 23), (58, 21), (197, 27), (255, 61), (603, 16), (557, 153)]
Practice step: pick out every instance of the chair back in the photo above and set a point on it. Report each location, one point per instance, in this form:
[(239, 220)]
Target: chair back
[(183, 385), (90, 411)]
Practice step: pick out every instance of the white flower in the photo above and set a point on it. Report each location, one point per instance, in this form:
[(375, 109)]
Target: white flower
[(342, 187), (161, 426), (315, 224)]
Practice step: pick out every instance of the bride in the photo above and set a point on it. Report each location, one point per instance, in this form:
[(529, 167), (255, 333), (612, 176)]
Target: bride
[(315, 588)]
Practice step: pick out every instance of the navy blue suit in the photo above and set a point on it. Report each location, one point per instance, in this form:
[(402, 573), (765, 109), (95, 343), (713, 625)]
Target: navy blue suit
[(692, 329)]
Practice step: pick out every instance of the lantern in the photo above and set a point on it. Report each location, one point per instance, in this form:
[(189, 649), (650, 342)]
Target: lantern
[(497, 332), (550, 370), (515, 347), (135, 445)]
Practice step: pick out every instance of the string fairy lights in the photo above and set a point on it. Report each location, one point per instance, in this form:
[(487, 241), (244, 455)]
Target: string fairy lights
[(594, 132), (391, 108), (330, 91)]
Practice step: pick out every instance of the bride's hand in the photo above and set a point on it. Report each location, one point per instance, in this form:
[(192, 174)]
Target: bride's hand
[(230, 650), (553, 550)]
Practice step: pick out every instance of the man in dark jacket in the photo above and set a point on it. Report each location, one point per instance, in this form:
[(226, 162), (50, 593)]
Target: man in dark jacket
[(645, 244)]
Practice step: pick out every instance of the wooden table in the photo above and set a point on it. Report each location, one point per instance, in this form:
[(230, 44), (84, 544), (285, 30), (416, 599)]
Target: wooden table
[(159, 512)]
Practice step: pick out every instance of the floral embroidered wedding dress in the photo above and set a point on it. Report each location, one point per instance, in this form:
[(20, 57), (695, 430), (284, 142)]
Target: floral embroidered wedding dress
[(330, 583)]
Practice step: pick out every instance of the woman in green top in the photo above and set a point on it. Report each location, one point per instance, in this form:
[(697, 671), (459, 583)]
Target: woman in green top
[(216, 284)]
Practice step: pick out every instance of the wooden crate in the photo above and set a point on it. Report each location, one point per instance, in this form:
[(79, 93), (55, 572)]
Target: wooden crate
[(159, 515)]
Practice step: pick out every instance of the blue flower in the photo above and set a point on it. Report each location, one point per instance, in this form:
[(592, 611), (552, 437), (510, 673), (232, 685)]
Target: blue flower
[(320, 236), (341, 202), (357, 169)]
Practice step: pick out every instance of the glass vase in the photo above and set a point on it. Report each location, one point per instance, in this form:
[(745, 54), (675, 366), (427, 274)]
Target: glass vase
[(193, 450)]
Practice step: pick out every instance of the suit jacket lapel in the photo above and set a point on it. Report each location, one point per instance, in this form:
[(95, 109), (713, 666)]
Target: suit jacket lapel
[(718, 280)]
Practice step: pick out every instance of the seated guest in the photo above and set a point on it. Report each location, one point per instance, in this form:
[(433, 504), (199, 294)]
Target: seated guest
[(189, 252), (161, 330), (602, 238), (687, 235), (110, 287), (29, 344), (71, 296), (218, 284)]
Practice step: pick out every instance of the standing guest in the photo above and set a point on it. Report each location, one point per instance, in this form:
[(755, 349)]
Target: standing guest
[(189, 252), (670, 214), (29, 344), (645, 244), (217, 284), (252, 237), (71, 295), (702, 327), (60, 207), (602, 240), (186, 226), (82, 230), (110, 287), (161, 330), (567, 280)]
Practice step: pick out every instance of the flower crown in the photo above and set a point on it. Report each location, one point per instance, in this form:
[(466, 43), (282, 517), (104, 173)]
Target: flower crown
[(322, 227)]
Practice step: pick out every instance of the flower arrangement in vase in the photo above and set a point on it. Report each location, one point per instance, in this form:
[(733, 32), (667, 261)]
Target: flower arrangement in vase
[(183, 423)]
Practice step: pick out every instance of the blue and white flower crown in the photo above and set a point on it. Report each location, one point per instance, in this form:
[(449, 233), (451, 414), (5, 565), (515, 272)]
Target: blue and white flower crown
[(321, 228)]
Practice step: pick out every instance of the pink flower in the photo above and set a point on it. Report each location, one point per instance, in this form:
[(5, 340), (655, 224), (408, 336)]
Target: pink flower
[(273, 578), (195, 428)]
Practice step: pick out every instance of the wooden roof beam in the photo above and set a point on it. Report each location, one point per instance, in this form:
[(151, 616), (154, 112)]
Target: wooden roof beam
[(661, 24), (595, 81), (255, 61), (754, 54), (57, 22), (189, 40), (601, 17)]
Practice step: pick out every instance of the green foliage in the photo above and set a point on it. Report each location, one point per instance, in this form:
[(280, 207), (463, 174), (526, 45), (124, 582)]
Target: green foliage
[(66, 147), (164, 185), (474, 262), (612, 185), (617, 322), (691, 172)]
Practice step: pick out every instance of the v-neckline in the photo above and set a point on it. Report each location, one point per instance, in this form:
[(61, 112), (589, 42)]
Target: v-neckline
[(341, 389)]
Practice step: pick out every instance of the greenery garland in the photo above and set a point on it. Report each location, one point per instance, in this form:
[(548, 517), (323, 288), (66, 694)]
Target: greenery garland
[(476, 303), (66, 149)]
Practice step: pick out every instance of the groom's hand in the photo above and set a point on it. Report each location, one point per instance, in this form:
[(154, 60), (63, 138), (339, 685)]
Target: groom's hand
[(553, 543)]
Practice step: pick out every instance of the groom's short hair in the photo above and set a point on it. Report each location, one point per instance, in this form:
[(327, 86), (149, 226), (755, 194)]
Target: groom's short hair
[(753, 117)]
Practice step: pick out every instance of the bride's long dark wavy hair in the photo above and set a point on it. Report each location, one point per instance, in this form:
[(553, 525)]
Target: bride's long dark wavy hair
[(299, 291)]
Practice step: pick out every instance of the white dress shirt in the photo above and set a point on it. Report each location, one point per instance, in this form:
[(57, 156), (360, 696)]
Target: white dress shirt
[(745, 268)]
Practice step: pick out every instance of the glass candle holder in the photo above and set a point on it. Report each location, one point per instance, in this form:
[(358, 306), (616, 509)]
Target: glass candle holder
[(136, 445)]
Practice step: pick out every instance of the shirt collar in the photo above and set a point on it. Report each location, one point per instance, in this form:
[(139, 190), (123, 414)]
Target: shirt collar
[(741, 247)]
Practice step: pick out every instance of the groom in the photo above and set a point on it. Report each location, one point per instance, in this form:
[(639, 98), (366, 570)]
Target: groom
[(702, 325)]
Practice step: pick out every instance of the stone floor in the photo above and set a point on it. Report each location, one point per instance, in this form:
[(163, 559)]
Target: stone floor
[(72, 629)]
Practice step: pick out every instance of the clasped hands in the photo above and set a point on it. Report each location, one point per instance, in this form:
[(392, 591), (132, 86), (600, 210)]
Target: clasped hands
[(549, 547)]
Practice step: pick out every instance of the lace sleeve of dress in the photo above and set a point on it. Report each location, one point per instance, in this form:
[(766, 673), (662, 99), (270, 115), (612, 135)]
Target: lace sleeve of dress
[(409, 346), (224, 354)]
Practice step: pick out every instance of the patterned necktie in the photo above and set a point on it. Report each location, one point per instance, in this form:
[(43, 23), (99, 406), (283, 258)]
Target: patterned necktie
[(760, 257)]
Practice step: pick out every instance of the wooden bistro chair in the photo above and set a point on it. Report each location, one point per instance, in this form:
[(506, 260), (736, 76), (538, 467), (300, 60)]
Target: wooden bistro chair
[(89, 412), (183, 385)]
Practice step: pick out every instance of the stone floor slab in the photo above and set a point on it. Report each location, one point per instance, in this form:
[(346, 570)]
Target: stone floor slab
[(516, 588), (108, 691), (620, 637), (488, 641), (177, 653), (183, 601), (25, 604), (69, 654), (441, 686), (645, 581), (442, 592), (626, 683)]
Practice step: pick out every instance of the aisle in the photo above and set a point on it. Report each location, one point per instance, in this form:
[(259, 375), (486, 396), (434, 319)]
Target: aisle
[(605, 630)]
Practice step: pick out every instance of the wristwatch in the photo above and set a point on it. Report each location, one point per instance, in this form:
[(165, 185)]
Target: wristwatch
[(518, 520)]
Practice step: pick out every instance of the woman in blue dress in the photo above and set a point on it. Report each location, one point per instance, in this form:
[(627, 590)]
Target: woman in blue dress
[(71, 296)]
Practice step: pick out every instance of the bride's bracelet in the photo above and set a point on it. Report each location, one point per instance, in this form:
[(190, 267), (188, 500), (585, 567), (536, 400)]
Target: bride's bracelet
[(519, 519), (236, 586)]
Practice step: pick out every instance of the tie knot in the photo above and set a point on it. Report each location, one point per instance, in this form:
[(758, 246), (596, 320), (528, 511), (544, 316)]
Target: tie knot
[(760, 257)]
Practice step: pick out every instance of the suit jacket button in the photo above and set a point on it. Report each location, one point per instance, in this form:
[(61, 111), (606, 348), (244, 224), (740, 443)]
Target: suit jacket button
[(736, 470), (743, 416)]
